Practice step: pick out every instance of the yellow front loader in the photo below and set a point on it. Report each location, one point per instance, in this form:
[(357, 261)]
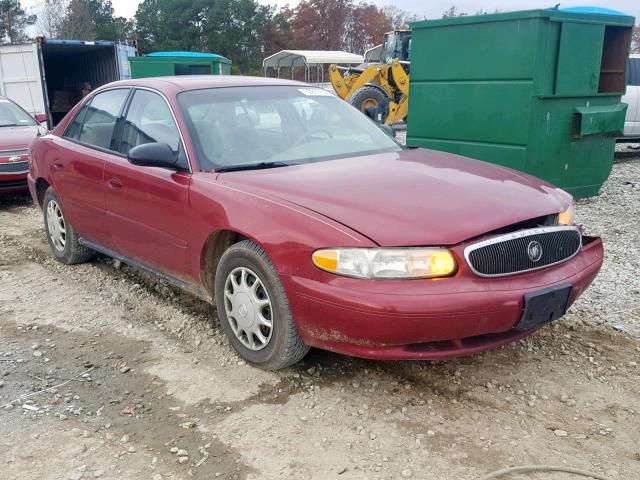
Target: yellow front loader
[(379, 89)]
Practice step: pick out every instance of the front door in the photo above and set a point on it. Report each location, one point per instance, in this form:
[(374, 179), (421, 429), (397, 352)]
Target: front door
[(147, 207)]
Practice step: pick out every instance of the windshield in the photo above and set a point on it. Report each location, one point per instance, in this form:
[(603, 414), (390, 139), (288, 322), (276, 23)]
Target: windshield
[(276, 126), (12, 116)]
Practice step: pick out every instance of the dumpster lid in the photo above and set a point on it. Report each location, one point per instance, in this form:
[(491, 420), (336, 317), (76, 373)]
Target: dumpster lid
[(597, 15), (592, 10), (184, 54)]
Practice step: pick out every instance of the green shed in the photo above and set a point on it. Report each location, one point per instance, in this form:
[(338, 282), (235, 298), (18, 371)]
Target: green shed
[(159, 64), (538, 91)]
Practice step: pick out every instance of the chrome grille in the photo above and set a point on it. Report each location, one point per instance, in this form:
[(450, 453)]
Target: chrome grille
[(13, 168), (523, 251), (14, 153)]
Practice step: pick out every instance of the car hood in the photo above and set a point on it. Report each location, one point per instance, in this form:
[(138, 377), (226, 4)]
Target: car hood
[(409, 198), (15, 138)]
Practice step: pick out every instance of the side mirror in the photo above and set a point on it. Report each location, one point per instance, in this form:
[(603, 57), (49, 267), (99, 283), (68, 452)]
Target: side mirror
[(153, 155), (41, 117)]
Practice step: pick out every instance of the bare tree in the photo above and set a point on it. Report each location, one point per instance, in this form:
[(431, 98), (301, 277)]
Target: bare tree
[(482, 11), (453, 12), (77, 23), (50, 16), (400, 18)]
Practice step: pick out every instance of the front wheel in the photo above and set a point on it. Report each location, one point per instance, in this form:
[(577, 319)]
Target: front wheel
[(62, 238), (254, 310)]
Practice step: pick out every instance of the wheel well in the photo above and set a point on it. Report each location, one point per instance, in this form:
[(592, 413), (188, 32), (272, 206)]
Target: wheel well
[(41, 187), (214, 247)]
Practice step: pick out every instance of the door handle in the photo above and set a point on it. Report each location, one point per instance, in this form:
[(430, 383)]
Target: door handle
[(114, 183), (58, 165)]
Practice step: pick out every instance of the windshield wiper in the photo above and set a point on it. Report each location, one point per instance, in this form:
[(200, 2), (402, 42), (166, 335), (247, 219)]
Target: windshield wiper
[(9, 125), (252, 166)]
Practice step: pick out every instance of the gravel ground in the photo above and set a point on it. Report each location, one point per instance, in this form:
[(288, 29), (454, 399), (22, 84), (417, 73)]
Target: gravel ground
[(143, 385), (614, 297)]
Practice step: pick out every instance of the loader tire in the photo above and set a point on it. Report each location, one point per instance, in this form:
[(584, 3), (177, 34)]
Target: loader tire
[(369, 97)]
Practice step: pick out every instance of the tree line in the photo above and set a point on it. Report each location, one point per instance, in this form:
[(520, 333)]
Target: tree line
[(243, 30)]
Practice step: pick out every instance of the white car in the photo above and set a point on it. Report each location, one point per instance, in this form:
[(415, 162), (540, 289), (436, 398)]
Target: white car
[(632, 97)]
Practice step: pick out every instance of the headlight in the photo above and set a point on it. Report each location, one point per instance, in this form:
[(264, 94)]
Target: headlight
[(567, 217), (381, 263)]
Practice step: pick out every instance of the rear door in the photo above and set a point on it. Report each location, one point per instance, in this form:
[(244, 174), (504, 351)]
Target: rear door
[(148, 207), (123, 52), (20, 78), (78, 159)]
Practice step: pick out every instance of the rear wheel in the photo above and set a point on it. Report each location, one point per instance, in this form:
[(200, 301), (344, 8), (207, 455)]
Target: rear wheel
[(254, 309), (63, 240)]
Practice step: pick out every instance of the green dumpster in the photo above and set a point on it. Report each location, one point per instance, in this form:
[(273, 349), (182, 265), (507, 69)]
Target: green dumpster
[(538, 91), (159, 64)]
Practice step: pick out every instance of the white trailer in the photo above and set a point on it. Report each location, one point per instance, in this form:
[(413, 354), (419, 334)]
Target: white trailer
[(48, 77)]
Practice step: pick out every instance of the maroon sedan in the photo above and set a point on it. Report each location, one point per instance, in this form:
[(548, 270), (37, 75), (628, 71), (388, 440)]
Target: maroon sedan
[(305, 223), (17, 130)]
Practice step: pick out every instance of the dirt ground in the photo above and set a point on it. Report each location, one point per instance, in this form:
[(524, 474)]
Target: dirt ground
[(145, 385)]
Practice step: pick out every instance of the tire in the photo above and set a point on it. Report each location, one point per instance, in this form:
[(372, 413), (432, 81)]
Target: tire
[(63, 239), (368, 97), (282, 346)]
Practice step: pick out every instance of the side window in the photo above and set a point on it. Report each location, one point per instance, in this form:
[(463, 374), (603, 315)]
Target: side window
[(100, 118), (149, 120)]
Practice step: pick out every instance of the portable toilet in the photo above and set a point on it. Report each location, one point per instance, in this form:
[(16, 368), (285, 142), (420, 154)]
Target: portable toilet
[(538, 91), (159, 64)]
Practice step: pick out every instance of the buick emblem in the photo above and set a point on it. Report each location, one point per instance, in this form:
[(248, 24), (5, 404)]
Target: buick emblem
[(243, 310), (15, 158), (534, 250)]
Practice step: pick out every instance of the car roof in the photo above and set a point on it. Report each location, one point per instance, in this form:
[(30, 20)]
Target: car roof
[(184, 83)]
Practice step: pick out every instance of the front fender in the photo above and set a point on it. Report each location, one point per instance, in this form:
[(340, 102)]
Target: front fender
[(288, 233)]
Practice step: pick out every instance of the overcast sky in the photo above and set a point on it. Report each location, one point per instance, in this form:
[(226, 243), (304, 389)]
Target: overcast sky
[(433, 8)]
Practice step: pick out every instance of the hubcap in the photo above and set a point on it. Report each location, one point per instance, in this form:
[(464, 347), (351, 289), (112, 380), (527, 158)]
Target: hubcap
[(369, 102), (248, 308), (56, 226)]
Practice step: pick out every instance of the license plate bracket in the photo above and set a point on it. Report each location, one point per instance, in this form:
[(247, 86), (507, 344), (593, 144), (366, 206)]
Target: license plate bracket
[(544, 306)]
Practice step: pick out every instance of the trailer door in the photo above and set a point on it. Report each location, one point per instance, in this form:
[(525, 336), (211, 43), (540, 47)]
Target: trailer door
[(20, 78), (123, 52)]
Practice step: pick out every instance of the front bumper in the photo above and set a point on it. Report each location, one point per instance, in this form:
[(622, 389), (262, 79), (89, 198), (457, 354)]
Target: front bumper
[(427, 319), (13, 184)]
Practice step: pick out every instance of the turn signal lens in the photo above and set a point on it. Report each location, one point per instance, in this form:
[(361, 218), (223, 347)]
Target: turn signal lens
[(567, 217), (326, 260), (442, 263), (380, 263)]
